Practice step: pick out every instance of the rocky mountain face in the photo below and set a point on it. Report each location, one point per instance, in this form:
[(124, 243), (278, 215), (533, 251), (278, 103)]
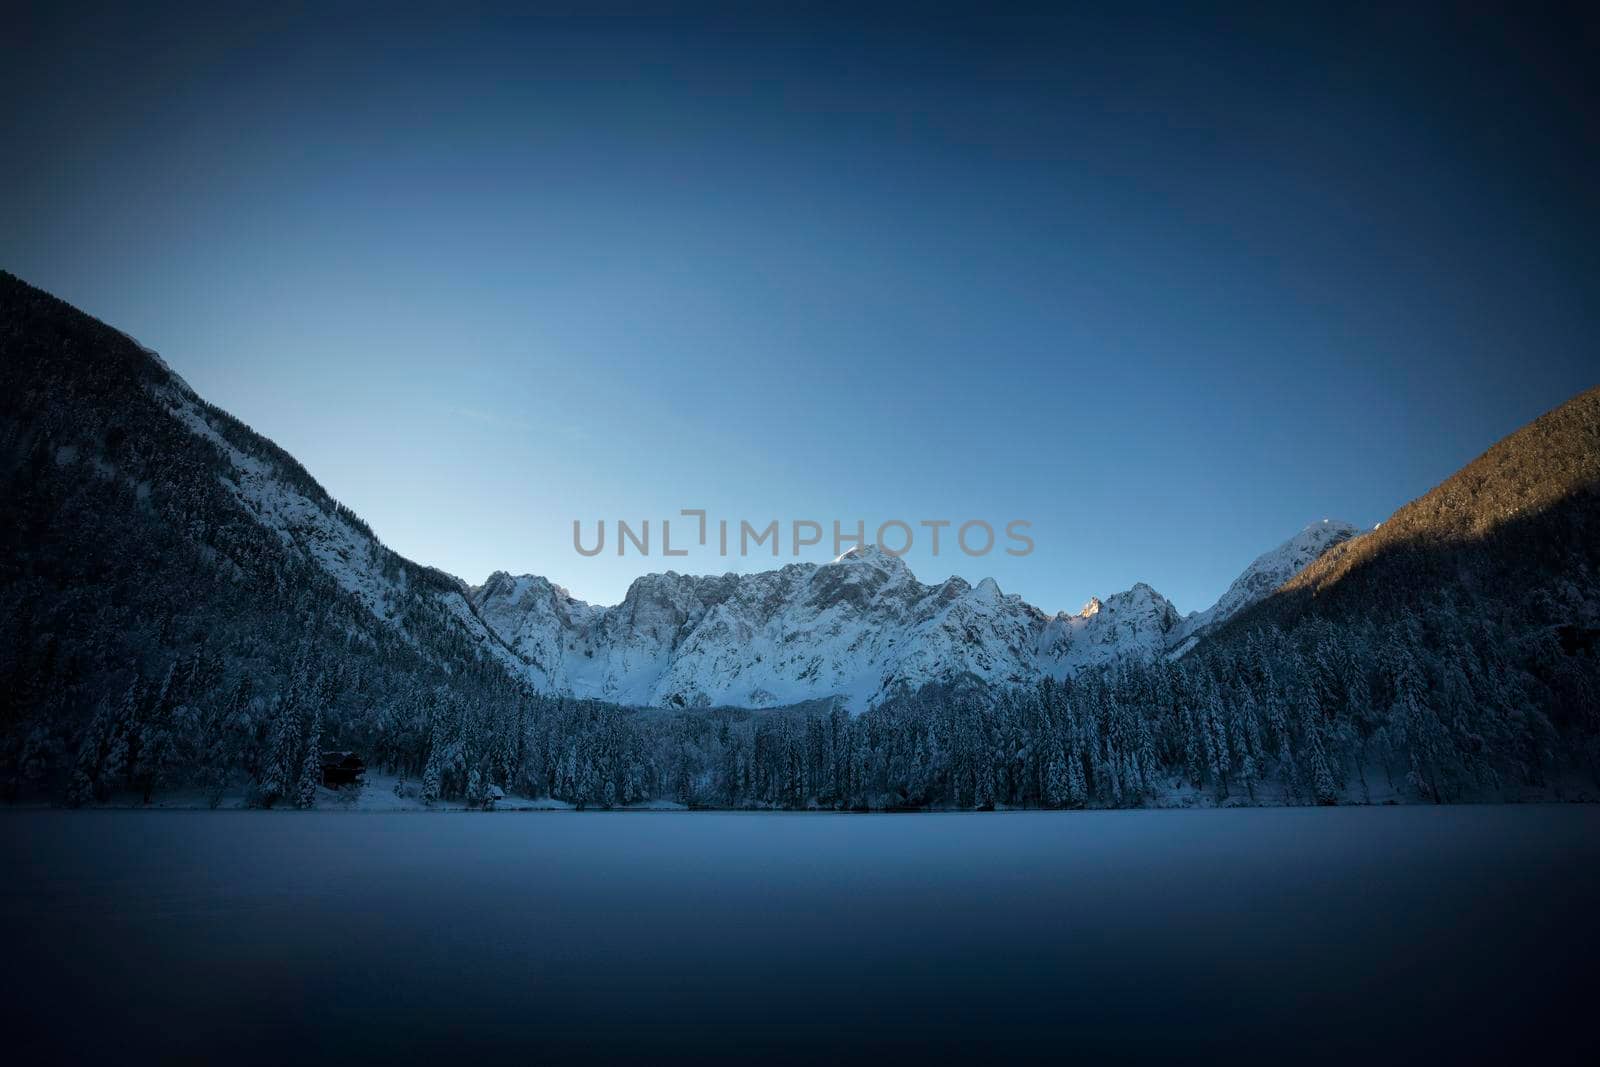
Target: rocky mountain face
[(1266, 575), (854, 628), (1271, 569), (860, 628)]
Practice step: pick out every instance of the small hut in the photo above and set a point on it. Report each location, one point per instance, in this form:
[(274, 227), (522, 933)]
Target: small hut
[(341, 768)]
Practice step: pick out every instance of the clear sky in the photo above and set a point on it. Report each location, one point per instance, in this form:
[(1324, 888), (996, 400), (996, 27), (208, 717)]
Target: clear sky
[(1169, 290)]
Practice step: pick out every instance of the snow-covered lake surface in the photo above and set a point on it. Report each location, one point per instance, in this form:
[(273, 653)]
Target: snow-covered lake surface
[(1379, 933)]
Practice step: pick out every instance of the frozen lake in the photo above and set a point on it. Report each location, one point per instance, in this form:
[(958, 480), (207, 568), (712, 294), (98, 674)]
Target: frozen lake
[(1165, 934)]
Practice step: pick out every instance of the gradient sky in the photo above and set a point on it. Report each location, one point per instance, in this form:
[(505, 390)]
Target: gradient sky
[(1170, 290)]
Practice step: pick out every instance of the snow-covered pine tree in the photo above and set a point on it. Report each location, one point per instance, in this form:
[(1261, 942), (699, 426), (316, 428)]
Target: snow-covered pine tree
[(1056, 790), (86, 770), (429, 792), (310, 765)]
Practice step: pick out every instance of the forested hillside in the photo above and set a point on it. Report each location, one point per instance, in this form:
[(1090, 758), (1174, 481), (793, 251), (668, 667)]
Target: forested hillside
[(154, 628), (1518, 528)]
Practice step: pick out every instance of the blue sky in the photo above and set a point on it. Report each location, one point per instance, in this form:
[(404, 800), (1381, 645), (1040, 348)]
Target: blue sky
[(1168, 290)]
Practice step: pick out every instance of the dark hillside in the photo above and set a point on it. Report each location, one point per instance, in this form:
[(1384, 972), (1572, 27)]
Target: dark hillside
[(1516, 529), (146, 604)]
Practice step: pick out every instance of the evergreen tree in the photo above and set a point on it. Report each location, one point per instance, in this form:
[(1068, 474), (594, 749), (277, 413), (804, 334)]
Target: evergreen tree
[(311, 765), (431, 775)]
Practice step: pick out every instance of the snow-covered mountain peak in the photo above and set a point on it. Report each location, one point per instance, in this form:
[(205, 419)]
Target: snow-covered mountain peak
[(1142, 603), (872, 555), (858, 628), (1271, 569)]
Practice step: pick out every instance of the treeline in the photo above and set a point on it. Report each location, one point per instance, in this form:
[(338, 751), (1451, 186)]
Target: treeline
[(1434, 709), (1438, 709)]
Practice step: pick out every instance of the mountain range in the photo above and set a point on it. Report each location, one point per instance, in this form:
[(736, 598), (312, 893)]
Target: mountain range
[(861, 627), (182, 603)]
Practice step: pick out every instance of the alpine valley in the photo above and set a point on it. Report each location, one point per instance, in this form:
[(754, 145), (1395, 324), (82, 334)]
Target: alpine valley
[(187, 613)]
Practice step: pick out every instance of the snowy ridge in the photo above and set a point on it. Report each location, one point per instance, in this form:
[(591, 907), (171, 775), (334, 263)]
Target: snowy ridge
[(1270, 570), (355, 560), (858, 628), (855, 628), (1137, 624)]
